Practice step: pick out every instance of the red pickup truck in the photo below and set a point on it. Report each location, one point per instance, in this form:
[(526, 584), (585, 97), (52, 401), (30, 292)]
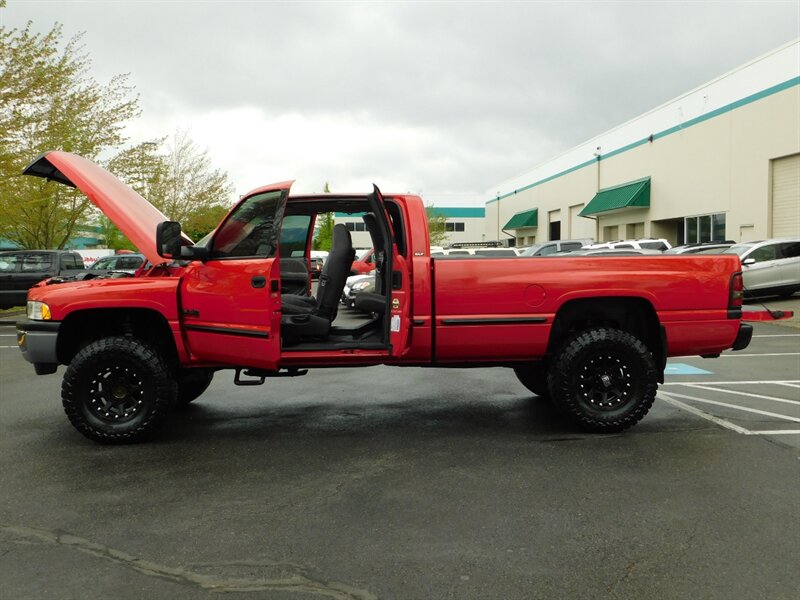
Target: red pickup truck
[(590, 333)]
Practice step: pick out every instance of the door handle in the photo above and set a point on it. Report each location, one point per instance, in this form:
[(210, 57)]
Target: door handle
[(259, 281)]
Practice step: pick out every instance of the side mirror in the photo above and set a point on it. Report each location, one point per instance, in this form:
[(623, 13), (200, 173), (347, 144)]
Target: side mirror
[(168, 239), (749, 261)]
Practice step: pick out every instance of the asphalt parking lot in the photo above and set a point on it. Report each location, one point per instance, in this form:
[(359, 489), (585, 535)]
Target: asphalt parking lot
[(412, 483)]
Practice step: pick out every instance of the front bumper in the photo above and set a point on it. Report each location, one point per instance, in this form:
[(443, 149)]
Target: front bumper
[(37, 340), (744, 336)]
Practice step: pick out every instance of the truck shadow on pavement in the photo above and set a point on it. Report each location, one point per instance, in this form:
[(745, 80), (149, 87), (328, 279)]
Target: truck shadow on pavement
[(513, 415)]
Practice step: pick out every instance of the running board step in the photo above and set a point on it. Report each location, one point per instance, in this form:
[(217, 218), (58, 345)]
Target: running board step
[(259, 376)]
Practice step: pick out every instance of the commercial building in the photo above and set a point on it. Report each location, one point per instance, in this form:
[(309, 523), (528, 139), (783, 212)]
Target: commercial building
[(720, 162), (461, 224)]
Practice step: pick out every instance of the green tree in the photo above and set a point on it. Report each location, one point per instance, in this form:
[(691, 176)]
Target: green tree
[(48, 102), (202, 221), (113, 236), (324, 237), (178, 180), (436, 227)]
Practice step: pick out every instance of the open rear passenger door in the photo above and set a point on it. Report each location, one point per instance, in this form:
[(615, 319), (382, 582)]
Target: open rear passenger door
[(398, 279)]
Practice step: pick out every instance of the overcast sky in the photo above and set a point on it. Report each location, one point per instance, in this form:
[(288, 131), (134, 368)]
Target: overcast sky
[(442, 99)]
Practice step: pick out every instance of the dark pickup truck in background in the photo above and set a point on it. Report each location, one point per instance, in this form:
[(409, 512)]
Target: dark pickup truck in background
[(22, 269)]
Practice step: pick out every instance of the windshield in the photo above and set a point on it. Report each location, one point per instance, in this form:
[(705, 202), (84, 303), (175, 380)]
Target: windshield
[(739, 249), (103, 263), (531, 251)]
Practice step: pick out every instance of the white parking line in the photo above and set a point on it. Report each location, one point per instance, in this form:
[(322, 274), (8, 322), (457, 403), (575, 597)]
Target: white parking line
[(776, 432), (789, 382), (778, 335), (752, 355), (737, 407), (8, 335), (702, 414), (716, 389)]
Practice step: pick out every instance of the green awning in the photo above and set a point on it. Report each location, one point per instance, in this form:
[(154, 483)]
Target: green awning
[(635, 194), (526, 218)]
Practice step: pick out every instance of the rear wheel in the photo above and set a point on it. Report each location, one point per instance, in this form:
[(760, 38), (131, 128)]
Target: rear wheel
[(534, 377), (603, 379), (117, 390)]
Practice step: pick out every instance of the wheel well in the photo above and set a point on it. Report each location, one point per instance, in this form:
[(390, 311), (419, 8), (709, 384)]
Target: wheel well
[(632, 315), (83, 327)]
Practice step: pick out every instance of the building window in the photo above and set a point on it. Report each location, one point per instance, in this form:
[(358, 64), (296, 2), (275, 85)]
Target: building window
[(454, 226), (353, 226), (704, 228)]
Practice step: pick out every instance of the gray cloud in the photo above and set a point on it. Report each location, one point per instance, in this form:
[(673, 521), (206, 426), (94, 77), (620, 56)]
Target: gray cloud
[(497, 87)]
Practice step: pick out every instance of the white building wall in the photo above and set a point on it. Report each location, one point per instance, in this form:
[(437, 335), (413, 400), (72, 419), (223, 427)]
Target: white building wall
[(711, 152)]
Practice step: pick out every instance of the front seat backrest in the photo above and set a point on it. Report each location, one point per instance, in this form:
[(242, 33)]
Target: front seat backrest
[(377, 248), (335, 272)]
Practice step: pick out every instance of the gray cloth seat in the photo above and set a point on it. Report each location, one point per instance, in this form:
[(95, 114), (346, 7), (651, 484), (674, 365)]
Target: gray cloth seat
[(309, 319)]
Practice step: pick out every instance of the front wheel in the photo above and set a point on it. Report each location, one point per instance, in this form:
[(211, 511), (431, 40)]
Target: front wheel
[(603, 379), (117, 390)]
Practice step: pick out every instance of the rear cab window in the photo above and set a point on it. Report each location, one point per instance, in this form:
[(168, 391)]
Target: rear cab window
[(32, 263), (9, 263)]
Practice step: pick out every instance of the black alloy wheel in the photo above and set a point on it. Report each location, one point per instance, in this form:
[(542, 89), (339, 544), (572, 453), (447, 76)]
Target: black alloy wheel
[(604, 380), (118, 390)]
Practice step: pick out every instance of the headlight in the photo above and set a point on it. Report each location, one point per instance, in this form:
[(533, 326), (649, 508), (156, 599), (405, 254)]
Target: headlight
[(38, 311), (360, 285)]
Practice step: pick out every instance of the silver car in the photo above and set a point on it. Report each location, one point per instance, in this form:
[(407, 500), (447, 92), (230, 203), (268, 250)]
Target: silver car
[(770, 267)]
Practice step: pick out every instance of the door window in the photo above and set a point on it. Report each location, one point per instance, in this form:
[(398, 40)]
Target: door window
[(790, 250), (68, 262), (764, 253), (251, 230)]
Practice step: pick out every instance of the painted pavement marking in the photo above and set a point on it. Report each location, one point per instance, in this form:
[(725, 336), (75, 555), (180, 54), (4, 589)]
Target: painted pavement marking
[(702, 386), (756, 355), (684, 369), (701, 413), (789, 382), (737, 407)]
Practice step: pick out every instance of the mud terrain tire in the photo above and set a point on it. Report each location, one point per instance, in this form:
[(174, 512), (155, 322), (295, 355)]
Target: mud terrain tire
[(604, 380), (118, 390)]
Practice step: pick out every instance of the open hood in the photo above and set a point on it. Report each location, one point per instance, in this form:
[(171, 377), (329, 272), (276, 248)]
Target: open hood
[(134, 215)]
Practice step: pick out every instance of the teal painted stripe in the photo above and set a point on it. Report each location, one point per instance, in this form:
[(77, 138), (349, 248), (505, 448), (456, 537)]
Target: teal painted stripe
[(447, 212), (714, 113), (464, 212)]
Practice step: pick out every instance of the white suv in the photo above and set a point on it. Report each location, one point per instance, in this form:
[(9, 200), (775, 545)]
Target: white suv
[(770, 267)]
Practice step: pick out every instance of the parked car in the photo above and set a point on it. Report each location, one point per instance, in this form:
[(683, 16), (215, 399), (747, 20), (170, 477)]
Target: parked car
[(496, 252), (554, 247), (20, 270), (354, 285), (769, 267), (317, 262), (125, 263), (703, 247), (364, 263), (609, 252), (647, 244)]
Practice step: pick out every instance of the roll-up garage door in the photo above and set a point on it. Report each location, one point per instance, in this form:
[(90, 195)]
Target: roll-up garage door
[(786, 196)]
